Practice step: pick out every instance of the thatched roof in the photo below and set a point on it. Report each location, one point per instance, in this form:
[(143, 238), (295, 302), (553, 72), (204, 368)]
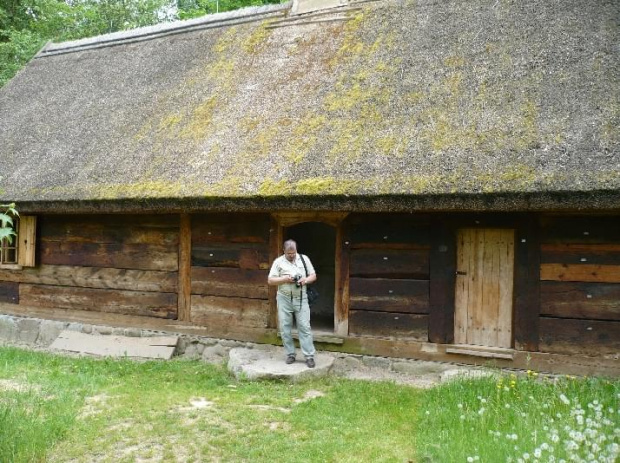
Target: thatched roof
[(505, 104)]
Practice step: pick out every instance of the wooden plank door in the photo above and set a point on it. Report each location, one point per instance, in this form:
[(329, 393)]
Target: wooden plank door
[(484, 287)]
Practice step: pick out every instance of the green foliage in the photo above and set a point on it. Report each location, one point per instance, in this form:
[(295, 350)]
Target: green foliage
[(6, 221), (25, 25), (195, 8)]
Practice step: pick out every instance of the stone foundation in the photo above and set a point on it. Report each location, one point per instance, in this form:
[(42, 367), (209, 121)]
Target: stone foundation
[(40, 333)]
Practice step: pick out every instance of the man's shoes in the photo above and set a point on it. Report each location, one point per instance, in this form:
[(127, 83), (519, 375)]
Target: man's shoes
[(290, 358), (310, 362)]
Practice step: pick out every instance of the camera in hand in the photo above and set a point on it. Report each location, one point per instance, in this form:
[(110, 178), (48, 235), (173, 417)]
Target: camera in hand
[(296, 279)]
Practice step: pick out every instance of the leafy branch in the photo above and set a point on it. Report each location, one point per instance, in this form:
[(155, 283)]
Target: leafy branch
[(6, 222)]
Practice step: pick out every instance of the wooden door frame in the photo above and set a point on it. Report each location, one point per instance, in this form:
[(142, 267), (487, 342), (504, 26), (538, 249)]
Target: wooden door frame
[(483, 247), (282, 220), (526, 287)]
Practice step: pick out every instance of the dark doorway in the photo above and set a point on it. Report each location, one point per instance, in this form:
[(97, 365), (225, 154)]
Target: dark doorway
[(318, 241)]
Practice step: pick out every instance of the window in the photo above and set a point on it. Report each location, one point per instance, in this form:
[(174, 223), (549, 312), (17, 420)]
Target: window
[(20, 251)]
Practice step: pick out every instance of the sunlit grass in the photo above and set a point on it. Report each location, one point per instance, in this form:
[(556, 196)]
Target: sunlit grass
[(59, 409), (521, 418)]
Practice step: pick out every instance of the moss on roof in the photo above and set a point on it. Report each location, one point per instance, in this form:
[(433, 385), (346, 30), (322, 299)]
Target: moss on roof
[(403, 98)]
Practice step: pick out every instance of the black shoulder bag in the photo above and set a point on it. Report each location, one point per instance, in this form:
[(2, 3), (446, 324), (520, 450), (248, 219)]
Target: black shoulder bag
[(312, 293)]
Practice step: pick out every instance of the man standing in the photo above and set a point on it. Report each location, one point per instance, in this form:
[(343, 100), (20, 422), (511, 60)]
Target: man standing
[(290, 276)]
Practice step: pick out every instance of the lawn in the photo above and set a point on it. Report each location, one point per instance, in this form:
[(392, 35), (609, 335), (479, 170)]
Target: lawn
[(58, 409)]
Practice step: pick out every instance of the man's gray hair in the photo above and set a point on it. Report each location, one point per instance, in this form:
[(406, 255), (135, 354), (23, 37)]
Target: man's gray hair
[(290, 244)]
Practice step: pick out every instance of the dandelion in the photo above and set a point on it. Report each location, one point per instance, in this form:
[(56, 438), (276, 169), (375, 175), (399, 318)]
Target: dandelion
[(470, 459), (507, 406), (462, 417), (537, 453), (564, 400), (526, 456), (460, 405)]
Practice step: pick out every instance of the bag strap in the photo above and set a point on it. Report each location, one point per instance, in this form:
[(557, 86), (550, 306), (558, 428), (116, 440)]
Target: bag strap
[(304, 262)]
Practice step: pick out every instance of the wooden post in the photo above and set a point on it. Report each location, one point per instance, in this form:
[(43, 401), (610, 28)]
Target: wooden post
[(275, 249), (185, 269), (341, 300), (442, 282), (527, 285)]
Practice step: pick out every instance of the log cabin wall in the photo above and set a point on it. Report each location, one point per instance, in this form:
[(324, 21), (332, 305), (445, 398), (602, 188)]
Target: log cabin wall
[(580, 285), (118, 264), (389, 275), (229, 266)]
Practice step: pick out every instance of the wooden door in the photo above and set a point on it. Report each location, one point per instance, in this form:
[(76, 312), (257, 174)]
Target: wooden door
[(484, 287)]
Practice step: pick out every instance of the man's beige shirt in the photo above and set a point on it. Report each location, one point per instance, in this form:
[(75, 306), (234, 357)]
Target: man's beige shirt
[(281, 266)]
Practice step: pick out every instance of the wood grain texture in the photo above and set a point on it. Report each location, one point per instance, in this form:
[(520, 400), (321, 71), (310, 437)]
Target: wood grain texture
[(585, 229), (116, 255), (343, 280), (527, 284), (387, 295), (367, 323), (442, 282), (230, 228), (390, 263), (185, 265), (233, 282), (163, 305), (389, 230), (484, 289), (567, 253), (224, 313), (94, 277), (246, 255), (580, 272), (583, 337), (125, 242), (158, 230), (9, 292), (26, 241), (593, 301)]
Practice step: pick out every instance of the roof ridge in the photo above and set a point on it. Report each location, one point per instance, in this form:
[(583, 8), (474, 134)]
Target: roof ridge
[(240, 16)]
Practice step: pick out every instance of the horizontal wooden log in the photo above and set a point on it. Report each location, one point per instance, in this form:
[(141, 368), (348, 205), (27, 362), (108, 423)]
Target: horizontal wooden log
[(133, 229), (580, 229), (584, 337), (600, 254), (9, 291), (594, 301), (390, 229), (230, 228), (388, 295), (95, 277), (162, 305), (245, 256), (389, 263), (223, 313), (367, 323), (580, 272), (114, 255), (231, 282)]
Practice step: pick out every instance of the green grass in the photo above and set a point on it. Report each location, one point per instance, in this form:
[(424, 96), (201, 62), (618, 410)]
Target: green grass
[(55, 408)]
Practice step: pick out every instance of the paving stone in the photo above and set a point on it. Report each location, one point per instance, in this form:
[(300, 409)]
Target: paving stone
[(49, 331), (268, 363), (343, 365), (101, 329), (231, 343), (27, 330), (133, 332), (8, 329), (88, 329), (214, 354), (379, 362), (75, 327), (419, 368)]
